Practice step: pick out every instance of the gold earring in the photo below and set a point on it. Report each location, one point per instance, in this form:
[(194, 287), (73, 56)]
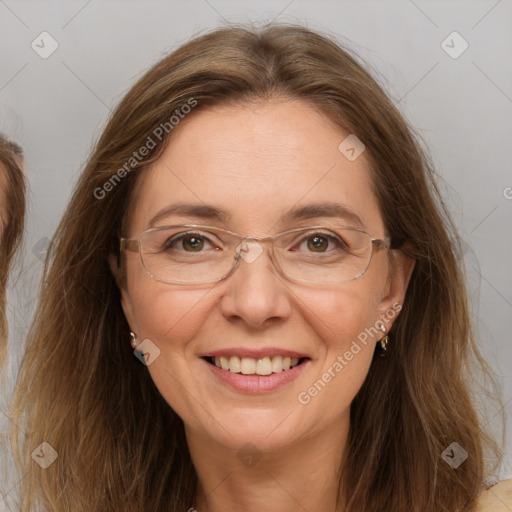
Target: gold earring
[(134, 340), (385, 340)]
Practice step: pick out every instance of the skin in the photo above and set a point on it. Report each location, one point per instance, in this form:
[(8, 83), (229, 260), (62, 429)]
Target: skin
[(258, 161)]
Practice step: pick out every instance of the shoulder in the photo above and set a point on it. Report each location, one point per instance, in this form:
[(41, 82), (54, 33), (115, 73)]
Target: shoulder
[(497, 498)]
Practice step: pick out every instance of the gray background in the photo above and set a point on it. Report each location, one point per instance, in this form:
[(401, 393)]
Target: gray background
[(462, 108)]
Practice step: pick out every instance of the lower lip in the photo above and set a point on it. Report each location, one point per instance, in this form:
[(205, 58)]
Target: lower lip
[(257, 384)]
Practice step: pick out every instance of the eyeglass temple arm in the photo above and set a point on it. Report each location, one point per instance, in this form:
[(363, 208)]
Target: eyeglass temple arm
[(129, 245), (384, 243)]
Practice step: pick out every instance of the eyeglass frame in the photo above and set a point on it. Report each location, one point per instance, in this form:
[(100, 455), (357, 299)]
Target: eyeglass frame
[(134, 245)]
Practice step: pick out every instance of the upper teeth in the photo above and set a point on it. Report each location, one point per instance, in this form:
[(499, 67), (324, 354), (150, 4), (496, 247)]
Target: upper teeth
[(250, 366)]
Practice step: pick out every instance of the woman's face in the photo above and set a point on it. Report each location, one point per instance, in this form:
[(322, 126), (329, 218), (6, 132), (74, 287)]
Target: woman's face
[(258, 163)]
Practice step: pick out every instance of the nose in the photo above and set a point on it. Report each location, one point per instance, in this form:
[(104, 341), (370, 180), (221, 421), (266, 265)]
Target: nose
[(255, 292)]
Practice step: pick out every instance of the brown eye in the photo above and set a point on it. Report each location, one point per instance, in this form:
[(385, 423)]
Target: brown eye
[(318, 243), (187, 242), (194, 243), (321, 243)]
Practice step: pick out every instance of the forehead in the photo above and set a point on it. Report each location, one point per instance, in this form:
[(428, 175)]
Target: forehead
[(256, 162)]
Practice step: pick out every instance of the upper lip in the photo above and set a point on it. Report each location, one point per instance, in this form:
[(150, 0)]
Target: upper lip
[(253, 353)]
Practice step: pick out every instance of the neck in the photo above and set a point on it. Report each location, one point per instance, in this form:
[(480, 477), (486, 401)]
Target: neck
[(303, 475)]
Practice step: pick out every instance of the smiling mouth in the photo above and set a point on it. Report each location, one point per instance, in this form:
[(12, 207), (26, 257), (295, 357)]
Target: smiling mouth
[(250, 366)]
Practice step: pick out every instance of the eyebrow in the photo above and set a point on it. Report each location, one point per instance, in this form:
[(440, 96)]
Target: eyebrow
[(213, 213)]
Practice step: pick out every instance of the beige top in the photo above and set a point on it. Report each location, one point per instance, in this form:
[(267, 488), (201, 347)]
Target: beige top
[(497, 498)]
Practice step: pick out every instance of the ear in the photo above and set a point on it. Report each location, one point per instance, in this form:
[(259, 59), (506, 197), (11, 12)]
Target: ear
[(398, 281), (126, 303)]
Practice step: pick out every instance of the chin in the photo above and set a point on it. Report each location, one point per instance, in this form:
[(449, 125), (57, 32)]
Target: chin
[(268, 430)]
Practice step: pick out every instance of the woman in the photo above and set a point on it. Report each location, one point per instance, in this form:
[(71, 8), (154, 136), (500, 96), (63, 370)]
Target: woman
[(254, 230), (12, 215)]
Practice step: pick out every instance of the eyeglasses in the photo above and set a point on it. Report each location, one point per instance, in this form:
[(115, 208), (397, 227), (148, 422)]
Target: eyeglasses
[(193, 254)]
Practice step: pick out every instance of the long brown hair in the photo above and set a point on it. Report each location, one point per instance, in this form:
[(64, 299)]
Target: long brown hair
[(12, 224), (120, 446)]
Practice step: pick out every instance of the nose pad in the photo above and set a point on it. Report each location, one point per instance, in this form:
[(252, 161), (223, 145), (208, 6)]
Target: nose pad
[(249, 250)]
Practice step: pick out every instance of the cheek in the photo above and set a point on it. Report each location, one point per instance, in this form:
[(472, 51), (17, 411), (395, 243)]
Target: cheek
[(344, 323), (172, 320), (169, 317), (340, 316), (163, 312)]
